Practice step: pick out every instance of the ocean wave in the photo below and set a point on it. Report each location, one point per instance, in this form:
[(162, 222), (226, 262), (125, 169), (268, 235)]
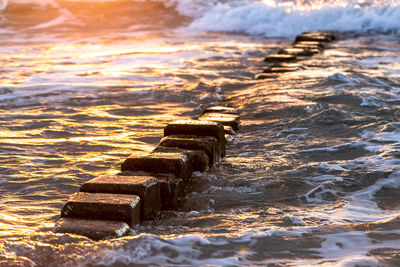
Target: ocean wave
[(269, 18)]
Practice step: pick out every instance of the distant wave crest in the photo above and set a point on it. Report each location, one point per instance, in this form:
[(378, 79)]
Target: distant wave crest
[(270, 19)]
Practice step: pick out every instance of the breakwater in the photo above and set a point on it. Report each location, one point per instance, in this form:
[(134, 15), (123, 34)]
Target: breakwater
[(107, 206)]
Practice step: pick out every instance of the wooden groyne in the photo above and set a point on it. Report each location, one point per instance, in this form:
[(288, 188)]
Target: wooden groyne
[(109, 205), (288, 59)]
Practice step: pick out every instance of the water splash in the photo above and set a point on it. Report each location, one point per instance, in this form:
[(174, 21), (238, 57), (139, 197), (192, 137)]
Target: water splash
[(3, 4), (275, 19), (270, 18)]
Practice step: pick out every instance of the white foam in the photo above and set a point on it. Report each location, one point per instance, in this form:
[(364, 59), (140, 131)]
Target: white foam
[(349, 249), (324, 149), (343, 249), (240, 190), (152, 250), (359, 206), (324, 178), (364, 197), (277, 19), (382, 136), (316, 194), (332, 167), (359, 261), (352, 248), (340, 79), (3, 4), (369, 101)]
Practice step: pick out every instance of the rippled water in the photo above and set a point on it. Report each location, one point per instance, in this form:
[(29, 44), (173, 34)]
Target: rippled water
[(311, 179)]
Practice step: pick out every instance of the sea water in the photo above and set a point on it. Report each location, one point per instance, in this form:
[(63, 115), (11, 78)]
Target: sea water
[(312, 178)]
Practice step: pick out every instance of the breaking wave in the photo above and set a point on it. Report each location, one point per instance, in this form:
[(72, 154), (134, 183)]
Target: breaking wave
[(269, 18)]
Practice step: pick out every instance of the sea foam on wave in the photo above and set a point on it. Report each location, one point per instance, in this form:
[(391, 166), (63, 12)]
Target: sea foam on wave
[(270, 19)]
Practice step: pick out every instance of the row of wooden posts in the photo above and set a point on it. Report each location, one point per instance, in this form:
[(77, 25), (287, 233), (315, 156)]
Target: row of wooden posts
[(107, 206), (286, 60)]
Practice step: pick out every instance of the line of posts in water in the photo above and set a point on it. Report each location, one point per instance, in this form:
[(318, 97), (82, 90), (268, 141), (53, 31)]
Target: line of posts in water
[(304, 46), (109, 205)]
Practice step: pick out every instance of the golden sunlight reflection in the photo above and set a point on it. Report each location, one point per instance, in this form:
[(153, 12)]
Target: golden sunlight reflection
[(75, 107), (12, 219), (96, 16), (243, 252), (112, 64)]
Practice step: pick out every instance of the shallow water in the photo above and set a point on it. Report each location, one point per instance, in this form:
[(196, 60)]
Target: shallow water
[(312, 177)]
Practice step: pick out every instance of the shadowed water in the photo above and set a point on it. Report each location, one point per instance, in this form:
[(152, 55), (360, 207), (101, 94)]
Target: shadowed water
[(312, 177)]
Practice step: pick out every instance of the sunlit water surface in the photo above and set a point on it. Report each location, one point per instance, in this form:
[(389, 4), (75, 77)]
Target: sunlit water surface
[(312, 177)]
